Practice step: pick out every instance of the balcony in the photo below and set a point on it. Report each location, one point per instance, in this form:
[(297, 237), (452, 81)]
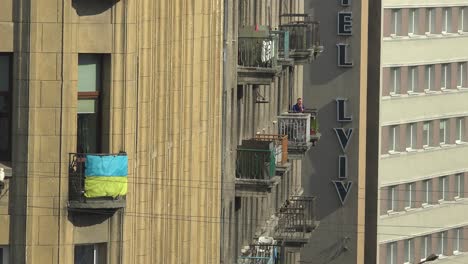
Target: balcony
[(260, 254), (97, 181), (257, 56), (296, 221), (302, 132), (304, 38)]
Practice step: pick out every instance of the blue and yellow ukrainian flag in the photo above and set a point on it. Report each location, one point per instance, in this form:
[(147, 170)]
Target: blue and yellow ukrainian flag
[(106, 175)]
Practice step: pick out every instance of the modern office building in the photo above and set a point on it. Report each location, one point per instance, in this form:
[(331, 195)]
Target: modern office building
[(266, 216), (393, 134), (138, 82)]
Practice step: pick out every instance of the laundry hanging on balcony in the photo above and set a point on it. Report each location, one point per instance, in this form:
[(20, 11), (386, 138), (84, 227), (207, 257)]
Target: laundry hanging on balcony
[(106, 176)]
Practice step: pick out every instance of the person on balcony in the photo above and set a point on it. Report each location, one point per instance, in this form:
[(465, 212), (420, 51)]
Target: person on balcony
[(298, 107)]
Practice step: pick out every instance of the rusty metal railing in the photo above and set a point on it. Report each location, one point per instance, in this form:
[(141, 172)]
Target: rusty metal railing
[(281, 143), (296, 217)]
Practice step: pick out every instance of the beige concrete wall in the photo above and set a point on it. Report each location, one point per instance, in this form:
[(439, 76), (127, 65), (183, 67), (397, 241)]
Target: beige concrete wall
[(443, 49), (414, 108), (422, 3)]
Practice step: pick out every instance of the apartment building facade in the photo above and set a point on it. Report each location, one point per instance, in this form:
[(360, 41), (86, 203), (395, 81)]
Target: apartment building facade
[(267, 219), (108, 111), (414, 126)]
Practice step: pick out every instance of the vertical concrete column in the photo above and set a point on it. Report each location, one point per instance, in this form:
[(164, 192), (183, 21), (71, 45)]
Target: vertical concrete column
[(452, 130), (382, 253), (435, 132), (384, 140), (404, 79), (435, 190), (454, 21), (453, 75), (402, 137), (438, 20), (404, 21), (419, 137), (437, 77), (383, 200), (422, 20), (387, 22), (419, 194), (421, 78), (385, 81)]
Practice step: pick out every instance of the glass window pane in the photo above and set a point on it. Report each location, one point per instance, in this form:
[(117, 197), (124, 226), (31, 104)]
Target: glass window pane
[(4, 73), (87, 133), (84, 254), (89, 72), (87, 106)]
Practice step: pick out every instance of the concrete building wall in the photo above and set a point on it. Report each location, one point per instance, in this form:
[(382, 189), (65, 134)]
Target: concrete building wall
[(164, 110)]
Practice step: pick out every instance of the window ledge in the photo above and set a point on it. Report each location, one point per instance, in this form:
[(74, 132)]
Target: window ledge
[(462, 88), (449, 90), (445, 145), (431, 92), (392, 152), (395, 95), (461, 143), (411, 150), (414, 93), (426, 205)]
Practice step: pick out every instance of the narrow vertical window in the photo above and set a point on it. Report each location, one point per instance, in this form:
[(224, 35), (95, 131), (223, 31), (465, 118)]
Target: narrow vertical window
[(427, 185), (443, 243), (461, 74), (460, 130), (392, 253), (459, 185), (413, 79), (410, 195), (446, 20), (443, 132), (430, 20), (430, 78), (409, 250), (458, 241), (411, 136), (446, 76), (5, 107), (462, 19), (396, 22), (90, 254), (443, 188), (427, 134), (392, 196), (413, 22), (393, 139), (89, 107), (426, 247), (395, 81)]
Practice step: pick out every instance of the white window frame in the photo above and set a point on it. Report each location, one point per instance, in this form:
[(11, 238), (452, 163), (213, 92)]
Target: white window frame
[(430, 21), (391, 206), (410, 195), (443, 132), (458, 241), (409, 251), (413, 79), (392, 253), (442, 243), (459, 185), (396, 22), (445, 80), (446, 20), (430, 74), (411, 135), (460, 130), (396, 80), (462, 20), (461, 73), (443, 188), (427, 185), (413, 22), (427, 140), (393, 139), (426, 247)]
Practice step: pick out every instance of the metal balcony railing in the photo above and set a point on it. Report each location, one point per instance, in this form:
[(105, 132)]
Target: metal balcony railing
[(97, 180), (257, 48), (297, 127), (260, 254), (255, 164), (296, 218), (281, 145)]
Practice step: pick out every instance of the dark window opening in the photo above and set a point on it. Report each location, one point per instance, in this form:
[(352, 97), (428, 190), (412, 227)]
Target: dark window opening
[(5, 106)]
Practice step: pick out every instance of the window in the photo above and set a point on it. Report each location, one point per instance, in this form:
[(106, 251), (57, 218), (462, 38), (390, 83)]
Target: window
[(395, 80), (392, 198), (463, 19), (413, 22), (461, 73), (443, 188), (392, 253), (459, 185), (410, 195), (4, 255), (447, 20), (89, 116), (443, 134), (430, 20), (409, 250), (413, 79), (458, 241), (430, 78), (427, 135), (460, 130), (445, 80), (442, 243), (393, 139), (427, 189), (5, 107), (411, 136), (90, 254), (426, 247), (396, 22)]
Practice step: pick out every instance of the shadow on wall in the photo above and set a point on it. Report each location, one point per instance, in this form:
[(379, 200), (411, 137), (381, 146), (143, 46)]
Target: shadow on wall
[(82, 219), (92, 7)]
